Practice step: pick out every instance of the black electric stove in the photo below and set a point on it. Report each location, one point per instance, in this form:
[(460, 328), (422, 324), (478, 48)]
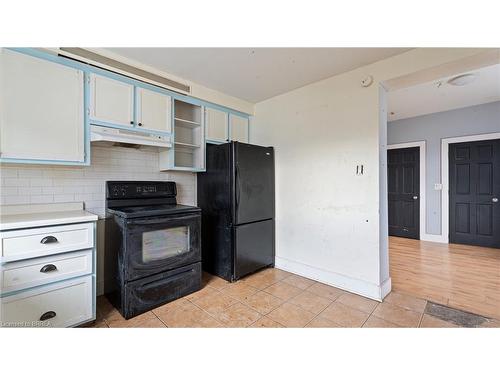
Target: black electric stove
[(153, 246)]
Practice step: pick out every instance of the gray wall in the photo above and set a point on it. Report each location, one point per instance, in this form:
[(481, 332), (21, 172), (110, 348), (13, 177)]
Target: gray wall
[(480, 119)]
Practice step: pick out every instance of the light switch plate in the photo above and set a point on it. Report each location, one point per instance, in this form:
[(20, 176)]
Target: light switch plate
[(438, 186)]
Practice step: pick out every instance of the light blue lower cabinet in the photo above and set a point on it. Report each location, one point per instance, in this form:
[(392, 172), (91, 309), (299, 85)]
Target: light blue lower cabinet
[(53, 290)]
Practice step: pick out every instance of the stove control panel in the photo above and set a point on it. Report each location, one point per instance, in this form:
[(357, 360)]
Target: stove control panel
[(140, 189)]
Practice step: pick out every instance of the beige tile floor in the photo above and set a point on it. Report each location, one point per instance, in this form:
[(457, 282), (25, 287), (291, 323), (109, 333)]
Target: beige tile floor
[(275, 298)]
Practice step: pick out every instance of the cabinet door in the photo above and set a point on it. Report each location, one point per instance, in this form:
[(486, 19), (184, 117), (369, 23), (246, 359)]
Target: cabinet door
[(216, 123), (238, 128), (42, 109), (154, 110), (111, 101)]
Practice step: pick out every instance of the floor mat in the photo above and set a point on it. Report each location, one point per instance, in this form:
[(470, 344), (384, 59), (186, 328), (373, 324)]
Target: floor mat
[(459, 317)]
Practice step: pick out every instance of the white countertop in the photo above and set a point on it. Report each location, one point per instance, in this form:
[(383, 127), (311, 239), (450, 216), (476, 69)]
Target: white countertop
[(18, 220)]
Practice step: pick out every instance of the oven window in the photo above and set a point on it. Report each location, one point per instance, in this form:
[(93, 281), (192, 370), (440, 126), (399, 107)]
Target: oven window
[(165, 243)]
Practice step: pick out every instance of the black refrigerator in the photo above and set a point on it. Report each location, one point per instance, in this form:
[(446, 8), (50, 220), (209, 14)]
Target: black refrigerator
[(236, 196)]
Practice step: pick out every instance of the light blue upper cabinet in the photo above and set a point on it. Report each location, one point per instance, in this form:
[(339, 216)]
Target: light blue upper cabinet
[(42, 115), (111, 102), (154, 110), (116, 103), (239, 128), (224, 126), (216, 125)]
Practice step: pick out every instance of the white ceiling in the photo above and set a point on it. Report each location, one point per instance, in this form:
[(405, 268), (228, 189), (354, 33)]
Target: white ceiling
[(256, 74), (439, 96)]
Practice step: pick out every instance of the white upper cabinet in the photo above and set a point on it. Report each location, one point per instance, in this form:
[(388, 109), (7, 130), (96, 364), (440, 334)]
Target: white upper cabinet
[(216, 123), (238, 128), (41, 110), (111, 101), (154, 110)]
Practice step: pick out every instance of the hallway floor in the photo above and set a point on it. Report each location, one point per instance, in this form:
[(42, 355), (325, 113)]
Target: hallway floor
[(275, 298), (460, 276)]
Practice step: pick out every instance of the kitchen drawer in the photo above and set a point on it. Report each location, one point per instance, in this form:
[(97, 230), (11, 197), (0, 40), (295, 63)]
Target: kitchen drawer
[(62, 304), (29, 243), (38, 271)]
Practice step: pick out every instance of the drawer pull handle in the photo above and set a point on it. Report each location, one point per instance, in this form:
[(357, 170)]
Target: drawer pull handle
[(48, 239), (48, 268), (48, 315)]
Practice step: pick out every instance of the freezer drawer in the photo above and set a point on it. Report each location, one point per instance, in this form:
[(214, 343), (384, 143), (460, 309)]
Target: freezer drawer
[(254, 247)]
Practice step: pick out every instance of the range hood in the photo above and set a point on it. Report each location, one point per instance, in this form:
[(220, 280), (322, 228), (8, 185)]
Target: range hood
[(127, 138)]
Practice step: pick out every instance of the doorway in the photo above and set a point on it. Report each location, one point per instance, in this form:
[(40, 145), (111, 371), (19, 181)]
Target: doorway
[(474, 192), (403, 176)]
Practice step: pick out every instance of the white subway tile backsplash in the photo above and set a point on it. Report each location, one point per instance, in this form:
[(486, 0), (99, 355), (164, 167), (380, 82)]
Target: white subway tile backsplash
[(52, 190), (30, 191), (63, 173), (24, 199), (73, 189), (41, 199), (64, 198), (41, 182), (8, 172), (15, 182), (24, 184), (93, 189), (84, 197), (28, 172), (5, 191)]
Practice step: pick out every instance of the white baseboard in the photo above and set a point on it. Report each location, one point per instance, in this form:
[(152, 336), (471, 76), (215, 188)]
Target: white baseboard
[(433, 238), (336, 280)]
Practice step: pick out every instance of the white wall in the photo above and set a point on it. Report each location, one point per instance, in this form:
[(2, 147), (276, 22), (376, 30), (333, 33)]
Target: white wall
[(385, 279), (327, 218)]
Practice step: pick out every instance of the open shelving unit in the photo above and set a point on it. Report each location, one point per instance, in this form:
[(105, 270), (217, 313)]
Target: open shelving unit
[(188, 151)]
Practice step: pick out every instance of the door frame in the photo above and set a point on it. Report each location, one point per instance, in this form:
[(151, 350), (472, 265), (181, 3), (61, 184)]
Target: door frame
[(445, 177), (421, 145)]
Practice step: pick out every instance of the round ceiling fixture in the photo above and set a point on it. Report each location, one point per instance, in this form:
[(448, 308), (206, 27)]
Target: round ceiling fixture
[(462, 79)]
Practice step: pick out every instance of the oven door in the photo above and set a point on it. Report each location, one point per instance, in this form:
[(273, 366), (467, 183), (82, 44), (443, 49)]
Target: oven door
[(159, 244)]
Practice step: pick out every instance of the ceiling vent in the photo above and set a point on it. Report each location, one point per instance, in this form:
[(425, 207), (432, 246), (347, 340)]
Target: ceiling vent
[(116, 66)]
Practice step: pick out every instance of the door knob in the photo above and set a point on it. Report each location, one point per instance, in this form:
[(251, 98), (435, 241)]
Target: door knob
[(415, 197), (494, 200)]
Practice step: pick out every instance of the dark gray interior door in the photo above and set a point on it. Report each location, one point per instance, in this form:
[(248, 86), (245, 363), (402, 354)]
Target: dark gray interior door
[(474, 193), (403, 173)]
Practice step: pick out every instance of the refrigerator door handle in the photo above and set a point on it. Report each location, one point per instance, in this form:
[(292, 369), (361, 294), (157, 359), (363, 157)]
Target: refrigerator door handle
[(237, 186)]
